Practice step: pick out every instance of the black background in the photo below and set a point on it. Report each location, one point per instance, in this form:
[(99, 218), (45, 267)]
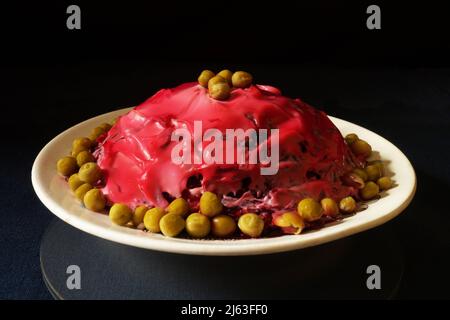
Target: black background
[(298, 32), (394, 81)]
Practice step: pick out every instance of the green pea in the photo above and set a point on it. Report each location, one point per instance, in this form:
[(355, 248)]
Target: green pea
[(152, 218), (95, 133), (90, 172), (227, 75), (309, 209), (361, 147), (361, 173), (171, 224), (74, 182), (94, 200), (198, 225), (384, 183), (347, 205), (350, 138), (81, 190), (369, 191), (210, 204), (373, 172), (291, 220), (216, 79), (251, 224), (223, 226), (67, 166), (138, 216), (379, 164), (120, 214), (241, 79), (330, 207), (80, 144), (178, 206), (84, 157), (204, 77), (219, 91)]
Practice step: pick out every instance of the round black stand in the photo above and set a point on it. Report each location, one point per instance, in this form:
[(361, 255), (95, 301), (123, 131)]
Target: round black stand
[(114, 271)]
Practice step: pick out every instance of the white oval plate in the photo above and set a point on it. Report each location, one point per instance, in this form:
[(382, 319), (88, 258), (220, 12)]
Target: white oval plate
[(54, 192)]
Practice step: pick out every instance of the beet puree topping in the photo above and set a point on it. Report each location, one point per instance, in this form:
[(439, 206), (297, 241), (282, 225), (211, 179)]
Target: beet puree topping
[(135, 155)]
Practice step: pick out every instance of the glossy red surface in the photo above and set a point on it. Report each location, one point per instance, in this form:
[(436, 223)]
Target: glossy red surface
[(136, 153)]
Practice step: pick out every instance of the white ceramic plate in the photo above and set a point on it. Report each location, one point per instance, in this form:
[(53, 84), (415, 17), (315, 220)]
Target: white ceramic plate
[(54, 192)]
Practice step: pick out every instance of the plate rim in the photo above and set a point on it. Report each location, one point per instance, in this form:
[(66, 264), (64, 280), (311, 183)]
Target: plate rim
[(211, 247)]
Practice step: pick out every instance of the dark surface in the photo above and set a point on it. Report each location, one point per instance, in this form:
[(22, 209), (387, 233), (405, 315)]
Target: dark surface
[(394, 81), (114, 271)]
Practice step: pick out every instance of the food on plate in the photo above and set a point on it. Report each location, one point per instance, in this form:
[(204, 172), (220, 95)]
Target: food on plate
[(120, 213), (82, 190), (223, 226), (178, 206), (384, 183), (152, 218), (347, 205), (80, 144), (198, 225), (139, 214), (94, 200), (171, 224), (223, 158), (84, 157), (66, 166), (329, 207), (369, 191), (251, 224), (74, 181)]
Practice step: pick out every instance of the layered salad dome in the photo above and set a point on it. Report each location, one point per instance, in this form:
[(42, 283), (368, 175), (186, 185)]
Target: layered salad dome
[(136, 155)]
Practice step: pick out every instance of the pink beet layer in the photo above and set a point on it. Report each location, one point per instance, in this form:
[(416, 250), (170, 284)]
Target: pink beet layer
[(135, 155)]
